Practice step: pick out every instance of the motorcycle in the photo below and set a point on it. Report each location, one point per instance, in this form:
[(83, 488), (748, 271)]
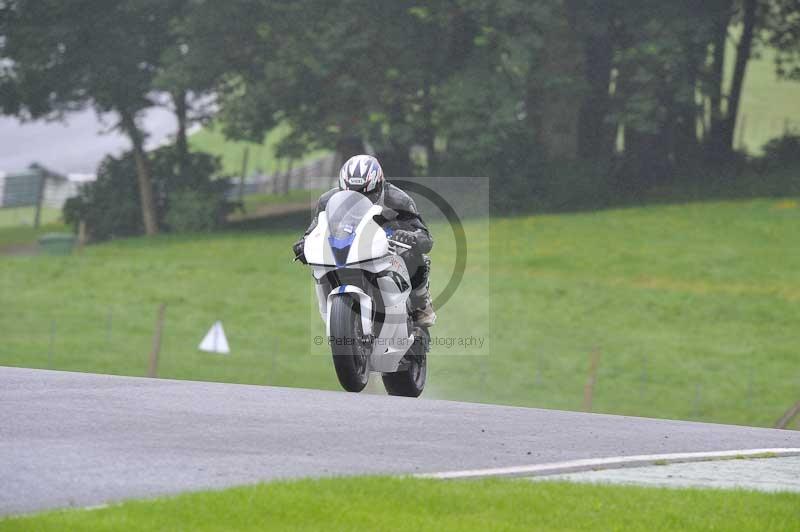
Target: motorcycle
[(363, 288)]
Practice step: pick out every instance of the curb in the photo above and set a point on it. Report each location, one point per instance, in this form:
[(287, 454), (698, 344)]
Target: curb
[(614, 462)]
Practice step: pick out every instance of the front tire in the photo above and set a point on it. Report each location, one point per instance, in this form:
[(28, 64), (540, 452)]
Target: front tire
[(350, 353), (411, 381)]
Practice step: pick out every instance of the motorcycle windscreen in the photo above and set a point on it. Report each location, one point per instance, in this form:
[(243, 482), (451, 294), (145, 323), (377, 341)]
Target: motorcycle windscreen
[(345, 210)]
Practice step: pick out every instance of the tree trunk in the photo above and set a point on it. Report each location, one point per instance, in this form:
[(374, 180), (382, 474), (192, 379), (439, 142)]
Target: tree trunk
[(243, 175), (686, 138), (646, 159), (287, 178), (743, 51), (181, 141), (715, 90), (349, 146), (595, 134), (395, 161), (149, 217), (429, 131), (554, 87)]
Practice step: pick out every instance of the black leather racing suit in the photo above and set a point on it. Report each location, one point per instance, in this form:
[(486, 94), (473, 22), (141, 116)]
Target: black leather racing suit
[(408, 219)]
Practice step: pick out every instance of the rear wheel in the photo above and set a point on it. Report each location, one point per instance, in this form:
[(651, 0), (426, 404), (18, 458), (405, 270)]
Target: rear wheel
[(350, 352), (410, 381)]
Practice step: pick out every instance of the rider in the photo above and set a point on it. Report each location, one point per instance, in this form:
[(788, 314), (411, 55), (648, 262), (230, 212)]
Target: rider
[(363, 173)]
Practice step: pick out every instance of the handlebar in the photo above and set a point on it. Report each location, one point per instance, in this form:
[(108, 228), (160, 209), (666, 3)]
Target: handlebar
[(394, 244)]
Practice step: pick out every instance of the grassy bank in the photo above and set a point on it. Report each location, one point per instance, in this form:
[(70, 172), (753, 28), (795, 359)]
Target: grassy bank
[(24, 216), (770, 107), (407, 504), (16, 226), (693, 310), (255, 203), (261, 157)]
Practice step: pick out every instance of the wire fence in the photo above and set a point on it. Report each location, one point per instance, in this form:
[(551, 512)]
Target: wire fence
[(316, 174)]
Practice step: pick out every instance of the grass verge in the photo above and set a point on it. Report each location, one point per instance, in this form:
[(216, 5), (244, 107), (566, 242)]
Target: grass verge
[(408, 504), (12, 238)]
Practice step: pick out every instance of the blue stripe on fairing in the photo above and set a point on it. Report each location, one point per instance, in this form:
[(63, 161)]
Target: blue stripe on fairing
[(341, 248), (341, 243), (342, 288)]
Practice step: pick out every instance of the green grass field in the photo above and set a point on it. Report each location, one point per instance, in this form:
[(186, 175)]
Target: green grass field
[(24, 216), (407, 504), (770, 107), (693, 309), (253, 202), (261, 157), (12, 237), (16, 226)]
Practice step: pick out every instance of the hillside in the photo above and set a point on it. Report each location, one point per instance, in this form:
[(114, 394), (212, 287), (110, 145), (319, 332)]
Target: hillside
[(692, 308)]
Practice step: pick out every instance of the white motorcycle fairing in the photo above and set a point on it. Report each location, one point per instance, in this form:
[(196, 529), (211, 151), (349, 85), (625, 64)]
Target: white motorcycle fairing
[(358, 261)]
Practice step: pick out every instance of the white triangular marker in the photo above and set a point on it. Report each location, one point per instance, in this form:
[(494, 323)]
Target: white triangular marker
[(215, 341)]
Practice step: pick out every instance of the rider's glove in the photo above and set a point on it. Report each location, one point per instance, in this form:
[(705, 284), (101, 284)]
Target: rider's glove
[(404, 237), (299, 254)]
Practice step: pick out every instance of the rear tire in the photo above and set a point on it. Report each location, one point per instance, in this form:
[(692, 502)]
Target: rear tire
[(350, 354), (411, 381)]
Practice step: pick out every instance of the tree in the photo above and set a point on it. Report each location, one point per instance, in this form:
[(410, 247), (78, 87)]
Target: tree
[(596, 22), (188, 76), (355, 72), (743, 52), (721, 13), (783, 24), (61, 57)]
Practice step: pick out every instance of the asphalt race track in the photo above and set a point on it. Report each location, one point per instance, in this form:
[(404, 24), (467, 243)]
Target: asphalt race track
[(72, 439)]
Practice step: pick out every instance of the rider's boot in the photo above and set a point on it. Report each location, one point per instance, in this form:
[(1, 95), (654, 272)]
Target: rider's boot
[(422, 309)]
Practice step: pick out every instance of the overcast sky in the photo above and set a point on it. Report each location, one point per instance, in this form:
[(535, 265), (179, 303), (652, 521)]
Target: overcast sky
[(75, 146)]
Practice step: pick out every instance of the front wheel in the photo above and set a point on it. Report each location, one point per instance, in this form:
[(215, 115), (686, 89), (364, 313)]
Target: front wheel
[(350, 352), (410, 381)]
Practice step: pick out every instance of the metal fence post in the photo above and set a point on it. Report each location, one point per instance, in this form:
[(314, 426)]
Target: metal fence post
[(154, 353), (588, 389), (52, 344)]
